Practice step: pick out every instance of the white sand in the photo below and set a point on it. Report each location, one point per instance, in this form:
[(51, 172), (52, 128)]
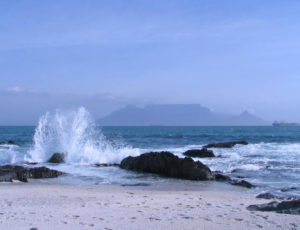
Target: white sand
[(49, 206)]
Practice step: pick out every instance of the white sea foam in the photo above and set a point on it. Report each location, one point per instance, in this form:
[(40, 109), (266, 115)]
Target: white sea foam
[(76, 134), (8, 154)]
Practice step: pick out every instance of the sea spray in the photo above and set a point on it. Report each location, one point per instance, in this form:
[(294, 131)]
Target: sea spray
[(9, 154), (75, 133)]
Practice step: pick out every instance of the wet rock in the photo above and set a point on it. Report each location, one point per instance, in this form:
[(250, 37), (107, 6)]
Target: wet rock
[(225, 144), (57, 158), (10, 173), (199, 153), (167, 164), (242, 183), (221, 177), (137, 184), (287, 207), (15, 172), (31, 163), (43, 172), (10, 142), (288, 189), (268, 196), (240, 177), (106, 165)]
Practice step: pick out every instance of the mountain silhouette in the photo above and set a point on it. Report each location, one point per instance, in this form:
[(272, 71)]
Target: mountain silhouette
[(176, 115)]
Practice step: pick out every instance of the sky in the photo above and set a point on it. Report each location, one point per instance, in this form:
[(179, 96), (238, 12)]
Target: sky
[(229, 56)]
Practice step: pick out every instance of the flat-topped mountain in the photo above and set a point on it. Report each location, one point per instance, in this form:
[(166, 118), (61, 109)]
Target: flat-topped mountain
[(175, 115)]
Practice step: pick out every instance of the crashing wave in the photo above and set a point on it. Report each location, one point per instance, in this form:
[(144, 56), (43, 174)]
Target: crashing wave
[(75, 133)]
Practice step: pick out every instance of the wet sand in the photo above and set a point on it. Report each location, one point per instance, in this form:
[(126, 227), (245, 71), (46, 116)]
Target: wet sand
[(37, 205)]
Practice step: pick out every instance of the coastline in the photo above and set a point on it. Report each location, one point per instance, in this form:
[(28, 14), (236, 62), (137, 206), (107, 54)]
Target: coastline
[(45, 205)]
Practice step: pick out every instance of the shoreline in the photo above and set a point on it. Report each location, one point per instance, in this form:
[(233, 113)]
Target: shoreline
[(46, 205)]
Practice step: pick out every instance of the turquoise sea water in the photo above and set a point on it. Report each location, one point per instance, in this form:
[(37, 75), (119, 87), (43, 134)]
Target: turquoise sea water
[(271, 160)]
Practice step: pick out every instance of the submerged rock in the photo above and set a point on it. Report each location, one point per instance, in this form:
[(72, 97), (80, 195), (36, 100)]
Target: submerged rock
[(199, 153), (167, 164), (57, 158), (243, 183), (287, 207), (288, 189), (15, 172), (137, 184), (268, 196), (10, 142), (106, 165), (225, 144)]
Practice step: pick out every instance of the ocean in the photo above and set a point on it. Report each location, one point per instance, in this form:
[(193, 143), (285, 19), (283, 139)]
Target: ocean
[(271, 161)]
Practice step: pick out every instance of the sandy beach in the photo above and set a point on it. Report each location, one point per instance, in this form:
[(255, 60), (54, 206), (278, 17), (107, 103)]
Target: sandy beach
[(42, 206)]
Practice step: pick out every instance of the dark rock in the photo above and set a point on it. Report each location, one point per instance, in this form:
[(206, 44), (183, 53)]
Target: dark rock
[(236, 170), (31, 163), (225, 144), (243, 183), (288, 189), (43, 172), (11, 142), (268, 196), (221, 177), (15, 172), (106, 165), (8, 143), (137, 184), (167, 164), (287, 207), (10, 172), (57, 158), (199, 153), (241, 177)]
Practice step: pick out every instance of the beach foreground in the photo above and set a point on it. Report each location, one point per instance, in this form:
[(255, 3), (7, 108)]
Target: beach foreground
[(38, 205)]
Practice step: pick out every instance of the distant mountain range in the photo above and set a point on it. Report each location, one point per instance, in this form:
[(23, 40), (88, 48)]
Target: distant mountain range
[(177, 115)]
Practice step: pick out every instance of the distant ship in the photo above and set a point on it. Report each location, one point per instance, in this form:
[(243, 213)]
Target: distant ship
[(276, 123)]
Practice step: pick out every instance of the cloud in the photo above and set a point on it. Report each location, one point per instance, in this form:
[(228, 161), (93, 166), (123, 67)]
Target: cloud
[(14, 89)]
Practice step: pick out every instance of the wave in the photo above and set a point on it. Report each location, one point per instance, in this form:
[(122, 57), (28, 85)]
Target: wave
[(8, 154), (76, 134)]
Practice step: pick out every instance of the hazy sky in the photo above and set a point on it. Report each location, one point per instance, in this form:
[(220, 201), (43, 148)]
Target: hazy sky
[(226, 55)]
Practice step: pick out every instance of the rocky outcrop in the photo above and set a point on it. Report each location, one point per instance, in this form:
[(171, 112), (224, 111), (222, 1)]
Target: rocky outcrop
[(268, 196), (201, 153), (137, 184), (287, 207), (167, 164), (225, 144), (106, 165), (10, 142), (288, 189), (242, 183), (221, 177), (57, 158), (8, 173), (43, 172)]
